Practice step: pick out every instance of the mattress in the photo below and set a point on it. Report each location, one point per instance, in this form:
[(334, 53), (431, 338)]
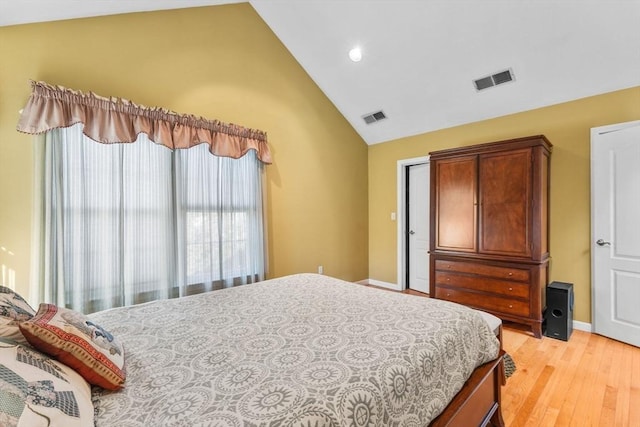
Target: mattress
[(302, 350), (493, 321)]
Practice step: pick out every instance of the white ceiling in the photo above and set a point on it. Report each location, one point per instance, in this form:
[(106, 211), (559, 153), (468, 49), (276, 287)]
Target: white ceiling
[(421, 56)]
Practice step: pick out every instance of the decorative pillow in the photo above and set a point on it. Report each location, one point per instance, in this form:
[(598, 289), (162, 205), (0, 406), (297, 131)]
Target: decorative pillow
[(13, 310), (78, 342), (38, 391)]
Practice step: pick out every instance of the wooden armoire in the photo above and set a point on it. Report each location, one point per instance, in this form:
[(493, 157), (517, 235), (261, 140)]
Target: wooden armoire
[(490, 228)]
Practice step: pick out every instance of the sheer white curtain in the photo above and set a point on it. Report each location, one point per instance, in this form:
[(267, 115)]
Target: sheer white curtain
[(119, 224)]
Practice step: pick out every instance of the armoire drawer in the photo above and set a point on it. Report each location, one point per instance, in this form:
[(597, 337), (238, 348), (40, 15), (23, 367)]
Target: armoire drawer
[(518, 274), (484, 301), (484, 284)]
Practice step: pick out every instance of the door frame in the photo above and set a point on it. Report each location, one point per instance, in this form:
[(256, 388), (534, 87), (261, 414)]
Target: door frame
[(401, 217), (595, 133)]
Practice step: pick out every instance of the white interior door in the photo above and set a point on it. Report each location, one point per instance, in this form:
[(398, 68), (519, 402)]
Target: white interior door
[(418, 221), (615, 218)]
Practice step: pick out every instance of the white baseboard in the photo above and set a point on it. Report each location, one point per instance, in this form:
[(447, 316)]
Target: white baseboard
[(582, 326), (387, 285)]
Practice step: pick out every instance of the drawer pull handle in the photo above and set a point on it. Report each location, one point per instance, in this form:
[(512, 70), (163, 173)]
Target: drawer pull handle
[(448, 295), (510, 306), (510, 289), (448, 279), (510, 274)]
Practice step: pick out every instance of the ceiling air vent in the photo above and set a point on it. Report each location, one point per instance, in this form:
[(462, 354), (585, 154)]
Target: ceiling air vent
[(496, 79), (374, 117)]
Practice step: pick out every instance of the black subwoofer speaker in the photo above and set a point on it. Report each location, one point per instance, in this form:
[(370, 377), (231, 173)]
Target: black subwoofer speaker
[(559, 313)]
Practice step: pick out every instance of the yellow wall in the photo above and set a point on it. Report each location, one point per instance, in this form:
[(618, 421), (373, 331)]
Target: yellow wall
[(219, 62), (567, 126)]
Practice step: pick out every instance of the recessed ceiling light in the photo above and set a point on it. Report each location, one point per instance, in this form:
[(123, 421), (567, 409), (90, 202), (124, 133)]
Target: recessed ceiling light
[(355, 54)]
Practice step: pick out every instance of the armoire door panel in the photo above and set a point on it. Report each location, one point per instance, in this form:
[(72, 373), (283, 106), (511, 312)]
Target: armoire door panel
[(541, 210), (505, 203), (456, 204)]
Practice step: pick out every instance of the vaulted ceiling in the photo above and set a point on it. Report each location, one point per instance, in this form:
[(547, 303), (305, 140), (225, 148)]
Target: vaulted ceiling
[(420, 57)]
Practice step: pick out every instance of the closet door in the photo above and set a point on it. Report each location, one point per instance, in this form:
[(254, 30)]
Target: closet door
[(455, 186), (505, 181)]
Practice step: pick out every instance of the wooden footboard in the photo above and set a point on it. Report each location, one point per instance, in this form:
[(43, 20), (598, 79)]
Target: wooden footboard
[(478, 403)]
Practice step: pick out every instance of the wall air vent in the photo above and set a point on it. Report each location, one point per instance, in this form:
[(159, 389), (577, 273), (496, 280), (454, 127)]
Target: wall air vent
[(496, 79), (374, 117)]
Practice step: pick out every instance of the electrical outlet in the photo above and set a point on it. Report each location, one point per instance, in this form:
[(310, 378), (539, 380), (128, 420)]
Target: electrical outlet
[(320, 269)]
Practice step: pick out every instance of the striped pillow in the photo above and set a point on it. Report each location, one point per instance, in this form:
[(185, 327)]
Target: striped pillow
[(78, 342)]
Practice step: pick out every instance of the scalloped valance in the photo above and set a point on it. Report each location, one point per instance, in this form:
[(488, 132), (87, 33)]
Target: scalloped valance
[(116, 120)]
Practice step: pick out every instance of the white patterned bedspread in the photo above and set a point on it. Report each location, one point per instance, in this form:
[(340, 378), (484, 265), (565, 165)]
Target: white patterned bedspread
[(304, 350)]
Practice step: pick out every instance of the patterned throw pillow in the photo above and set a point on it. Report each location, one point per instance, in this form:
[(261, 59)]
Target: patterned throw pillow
[(76, 341), (38, 391), (13, 310)]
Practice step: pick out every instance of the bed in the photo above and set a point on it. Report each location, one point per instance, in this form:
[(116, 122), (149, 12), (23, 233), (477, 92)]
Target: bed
[(303, 350)]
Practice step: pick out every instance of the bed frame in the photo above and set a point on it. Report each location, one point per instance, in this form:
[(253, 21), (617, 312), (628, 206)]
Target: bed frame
[(478, 403)]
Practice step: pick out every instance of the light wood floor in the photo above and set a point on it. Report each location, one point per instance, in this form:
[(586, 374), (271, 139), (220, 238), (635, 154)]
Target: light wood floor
[(588, 381)]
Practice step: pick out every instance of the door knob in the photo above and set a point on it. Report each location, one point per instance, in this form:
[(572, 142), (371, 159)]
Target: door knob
[(412, 232), (601, 242)]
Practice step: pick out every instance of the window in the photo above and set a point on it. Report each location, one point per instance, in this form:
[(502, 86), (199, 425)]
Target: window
[(129, 223)]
